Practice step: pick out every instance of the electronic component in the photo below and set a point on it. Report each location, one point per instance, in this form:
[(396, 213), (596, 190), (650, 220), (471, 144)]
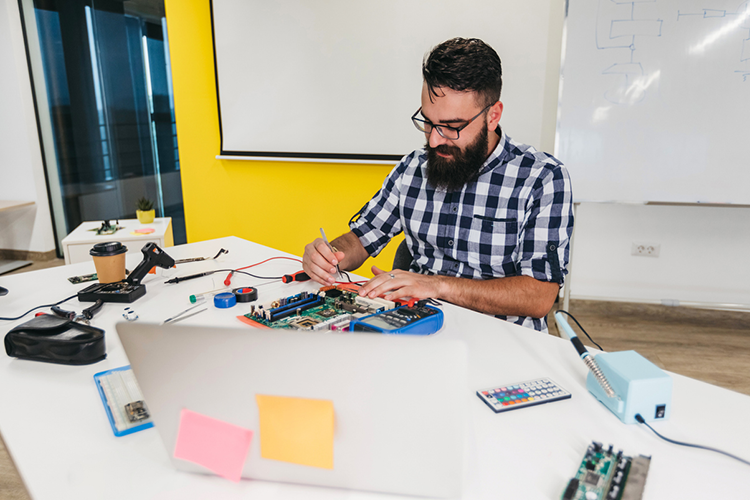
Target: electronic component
[(136, 411), (605, 475), (107, 228), (129, 314), (417, 320), (199, 259), (329, 309), (522, 394), (84, 278), (123, 401)]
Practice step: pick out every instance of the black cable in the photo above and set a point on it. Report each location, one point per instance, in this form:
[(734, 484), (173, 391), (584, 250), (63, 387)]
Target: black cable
[(579, 326), (347, 276), (641, 420), (251, 275), (38, 307)]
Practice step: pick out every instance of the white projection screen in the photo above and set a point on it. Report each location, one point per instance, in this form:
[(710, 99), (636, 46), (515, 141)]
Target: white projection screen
[(338, 80)]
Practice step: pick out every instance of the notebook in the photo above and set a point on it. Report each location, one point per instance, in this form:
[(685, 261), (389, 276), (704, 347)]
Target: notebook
[(373, 412)]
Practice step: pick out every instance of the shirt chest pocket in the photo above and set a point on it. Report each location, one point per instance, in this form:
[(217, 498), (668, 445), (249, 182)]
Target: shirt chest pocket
[(492, 243)]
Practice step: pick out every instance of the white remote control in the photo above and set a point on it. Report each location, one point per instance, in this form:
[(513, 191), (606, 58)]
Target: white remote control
[(522, 394)]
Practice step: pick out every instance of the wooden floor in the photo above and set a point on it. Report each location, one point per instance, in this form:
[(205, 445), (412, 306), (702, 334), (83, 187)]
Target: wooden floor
[(713, 346)]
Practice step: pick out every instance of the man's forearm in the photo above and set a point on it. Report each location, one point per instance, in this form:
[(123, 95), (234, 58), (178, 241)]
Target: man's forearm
[(512, 296), (354, 253)]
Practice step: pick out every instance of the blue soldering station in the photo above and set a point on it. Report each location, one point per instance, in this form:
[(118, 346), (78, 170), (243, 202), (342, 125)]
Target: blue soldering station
[(625, 382)]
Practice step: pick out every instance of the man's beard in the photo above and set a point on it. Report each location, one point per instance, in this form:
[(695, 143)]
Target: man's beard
[(463, 168)]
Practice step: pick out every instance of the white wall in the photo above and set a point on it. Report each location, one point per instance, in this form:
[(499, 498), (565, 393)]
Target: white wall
[(21, 168), (704, 253)]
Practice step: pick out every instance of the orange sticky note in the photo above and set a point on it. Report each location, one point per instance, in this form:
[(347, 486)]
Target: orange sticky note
[(296, 430), (218, 446)]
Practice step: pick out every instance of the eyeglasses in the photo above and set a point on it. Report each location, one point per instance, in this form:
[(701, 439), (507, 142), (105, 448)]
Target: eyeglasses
[(445, 131)]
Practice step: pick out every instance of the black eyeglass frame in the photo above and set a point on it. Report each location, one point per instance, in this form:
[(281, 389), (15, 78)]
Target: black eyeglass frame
[(420, 124)]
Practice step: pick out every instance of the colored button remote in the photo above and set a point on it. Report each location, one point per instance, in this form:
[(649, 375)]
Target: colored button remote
[(522, 394)]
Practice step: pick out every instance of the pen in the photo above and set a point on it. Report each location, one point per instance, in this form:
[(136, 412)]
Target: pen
[(325, 238)]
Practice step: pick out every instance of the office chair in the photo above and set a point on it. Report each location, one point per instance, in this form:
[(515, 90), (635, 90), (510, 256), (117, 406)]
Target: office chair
[(402, 259)]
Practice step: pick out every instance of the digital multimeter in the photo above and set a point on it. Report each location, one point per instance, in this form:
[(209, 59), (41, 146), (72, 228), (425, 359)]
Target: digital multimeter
[(416, 320)]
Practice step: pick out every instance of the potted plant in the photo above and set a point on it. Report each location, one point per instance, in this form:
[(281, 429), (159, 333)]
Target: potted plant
[(145, 210)]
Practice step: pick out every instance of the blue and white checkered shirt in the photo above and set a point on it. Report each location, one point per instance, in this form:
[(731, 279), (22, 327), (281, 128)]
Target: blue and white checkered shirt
[(515, 219)]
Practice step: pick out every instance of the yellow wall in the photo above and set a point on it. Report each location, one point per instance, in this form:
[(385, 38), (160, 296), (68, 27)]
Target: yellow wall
[(278, 204)]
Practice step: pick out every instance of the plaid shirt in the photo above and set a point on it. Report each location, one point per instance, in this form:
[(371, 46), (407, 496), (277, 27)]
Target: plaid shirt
[(515, 219)]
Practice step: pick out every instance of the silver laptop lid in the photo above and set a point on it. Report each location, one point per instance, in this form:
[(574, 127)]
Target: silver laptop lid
[(399, 401)]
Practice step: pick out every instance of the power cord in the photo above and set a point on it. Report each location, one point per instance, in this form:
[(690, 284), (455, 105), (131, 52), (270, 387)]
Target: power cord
[(641, 420), (38, 307), (579, 326)]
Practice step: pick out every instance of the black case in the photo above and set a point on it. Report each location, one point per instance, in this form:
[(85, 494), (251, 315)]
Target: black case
[(56, 340)]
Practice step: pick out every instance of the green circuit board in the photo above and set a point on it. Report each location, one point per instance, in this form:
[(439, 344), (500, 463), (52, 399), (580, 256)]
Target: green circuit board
[(331, 308), (605, 475)]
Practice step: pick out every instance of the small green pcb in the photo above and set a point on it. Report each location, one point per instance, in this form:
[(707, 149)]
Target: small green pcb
[(604, 475)]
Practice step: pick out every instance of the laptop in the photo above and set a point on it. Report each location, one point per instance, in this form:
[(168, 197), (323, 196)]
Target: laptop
[(399, 401)]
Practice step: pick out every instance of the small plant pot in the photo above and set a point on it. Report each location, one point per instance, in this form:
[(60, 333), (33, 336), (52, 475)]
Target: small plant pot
[(146, 216)]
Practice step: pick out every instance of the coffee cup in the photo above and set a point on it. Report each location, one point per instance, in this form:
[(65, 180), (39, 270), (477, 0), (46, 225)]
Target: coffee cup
[(109, 260)]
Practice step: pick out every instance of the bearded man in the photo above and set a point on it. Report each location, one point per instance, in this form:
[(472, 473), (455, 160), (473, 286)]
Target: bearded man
[(487, 220)]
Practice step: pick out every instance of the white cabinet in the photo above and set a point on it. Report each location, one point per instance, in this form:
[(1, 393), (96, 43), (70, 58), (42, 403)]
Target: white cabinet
[(76, 245)]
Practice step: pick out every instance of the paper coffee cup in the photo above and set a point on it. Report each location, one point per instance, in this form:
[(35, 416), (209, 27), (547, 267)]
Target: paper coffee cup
[(109, 260)]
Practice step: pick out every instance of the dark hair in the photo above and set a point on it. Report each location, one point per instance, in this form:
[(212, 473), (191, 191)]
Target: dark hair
[(464, 65)]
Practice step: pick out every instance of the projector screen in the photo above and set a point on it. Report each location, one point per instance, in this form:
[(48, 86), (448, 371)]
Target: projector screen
[(339, 80)]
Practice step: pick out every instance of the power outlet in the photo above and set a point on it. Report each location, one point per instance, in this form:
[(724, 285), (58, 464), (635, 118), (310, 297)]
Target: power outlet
[(645, 249)]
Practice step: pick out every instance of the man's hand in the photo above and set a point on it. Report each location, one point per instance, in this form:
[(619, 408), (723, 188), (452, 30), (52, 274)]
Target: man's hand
[(401, 284), (511, 296), (320, 263)]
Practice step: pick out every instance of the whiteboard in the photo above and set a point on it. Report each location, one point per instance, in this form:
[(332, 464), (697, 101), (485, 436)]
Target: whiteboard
[(341, 79), (655, 100)]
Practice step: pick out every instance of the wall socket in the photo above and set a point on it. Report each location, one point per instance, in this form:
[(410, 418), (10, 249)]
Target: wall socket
[(645, 249)]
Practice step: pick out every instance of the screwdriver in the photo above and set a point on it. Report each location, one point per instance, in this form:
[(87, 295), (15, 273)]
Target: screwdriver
[(298, 276)]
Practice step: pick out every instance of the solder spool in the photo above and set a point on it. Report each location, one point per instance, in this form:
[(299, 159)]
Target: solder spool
[(246, 294)]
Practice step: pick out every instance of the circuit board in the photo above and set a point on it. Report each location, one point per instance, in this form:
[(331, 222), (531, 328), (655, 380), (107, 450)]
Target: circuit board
[(605, 475), (330, 308)]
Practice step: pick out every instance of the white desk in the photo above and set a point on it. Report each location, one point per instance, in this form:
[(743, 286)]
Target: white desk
[(56, 430), (78, 243)]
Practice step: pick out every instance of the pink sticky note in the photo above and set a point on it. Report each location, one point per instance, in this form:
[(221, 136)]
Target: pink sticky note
[(219, 446)]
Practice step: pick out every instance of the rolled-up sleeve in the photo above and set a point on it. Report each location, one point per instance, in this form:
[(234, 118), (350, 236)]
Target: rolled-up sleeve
[(380, 219), (547, 228)]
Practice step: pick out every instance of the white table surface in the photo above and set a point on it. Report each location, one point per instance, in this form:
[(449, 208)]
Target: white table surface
[(55, 428)]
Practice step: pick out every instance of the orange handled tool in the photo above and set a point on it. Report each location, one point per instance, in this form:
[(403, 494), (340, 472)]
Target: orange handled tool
[(298, 276)]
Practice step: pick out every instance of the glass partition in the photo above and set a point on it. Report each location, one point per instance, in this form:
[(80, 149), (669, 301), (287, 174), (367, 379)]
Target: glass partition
[(111, 110)]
